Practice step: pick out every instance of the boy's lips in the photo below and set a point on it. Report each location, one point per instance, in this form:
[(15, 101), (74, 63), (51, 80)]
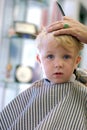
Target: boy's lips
[(58, 74)]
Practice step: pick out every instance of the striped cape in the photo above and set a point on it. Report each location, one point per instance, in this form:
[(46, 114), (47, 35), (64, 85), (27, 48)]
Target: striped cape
[(47, 106)]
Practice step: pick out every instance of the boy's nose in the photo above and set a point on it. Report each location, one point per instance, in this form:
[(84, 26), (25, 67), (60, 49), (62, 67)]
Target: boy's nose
[(58, 63)]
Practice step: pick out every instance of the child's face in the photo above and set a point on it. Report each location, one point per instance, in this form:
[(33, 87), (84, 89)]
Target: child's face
[(57, 62)]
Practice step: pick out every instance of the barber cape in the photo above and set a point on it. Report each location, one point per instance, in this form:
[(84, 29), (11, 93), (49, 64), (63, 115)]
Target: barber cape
[(47, 106)]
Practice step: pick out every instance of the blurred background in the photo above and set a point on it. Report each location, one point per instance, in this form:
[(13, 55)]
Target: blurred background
[(20, 22)]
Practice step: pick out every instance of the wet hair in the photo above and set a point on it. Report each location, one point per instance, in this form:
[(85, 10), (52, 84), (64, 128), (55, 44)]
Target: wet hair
[(67, 41)]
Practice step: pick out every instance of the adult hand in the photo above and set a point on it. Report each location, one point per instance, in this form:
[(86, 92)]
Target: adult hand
[(75, 28)]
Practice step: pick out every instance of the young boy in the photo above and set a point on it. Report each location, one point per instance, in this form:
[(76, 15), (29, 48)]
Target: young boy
[(56, 102)]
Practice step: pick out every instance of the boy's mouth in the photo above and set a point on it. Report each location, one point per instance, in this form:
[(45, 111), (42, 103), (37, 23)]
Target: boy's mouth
[(58, 74)]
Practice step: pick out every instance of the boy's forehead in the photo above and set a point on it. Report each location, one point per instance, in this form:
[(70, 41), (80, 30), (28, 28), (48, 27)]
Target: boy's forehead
[(49, 40), (48, 37), (65, 40)]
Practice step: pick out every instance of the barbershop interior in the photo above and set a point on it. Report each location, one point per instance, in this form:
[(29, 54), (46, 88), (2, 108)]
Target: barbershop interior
[(20, 22)]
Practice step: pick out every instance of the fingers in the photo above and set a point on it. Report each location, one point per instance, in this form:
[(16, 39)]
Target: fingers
[(63, 31), (75, 28), (58, 24), (72, 22), (58, 27), (55, 26)]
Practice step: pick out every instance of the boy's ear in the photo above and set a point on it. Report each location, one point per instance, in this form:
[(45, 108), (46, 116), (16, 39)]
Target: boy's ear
[(38, 58), (78, 61)]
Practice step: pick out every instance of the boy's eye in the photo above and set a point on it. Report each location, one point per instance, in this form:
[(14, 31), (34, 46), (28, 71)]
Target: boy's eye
[(67, 56), (50, 56)]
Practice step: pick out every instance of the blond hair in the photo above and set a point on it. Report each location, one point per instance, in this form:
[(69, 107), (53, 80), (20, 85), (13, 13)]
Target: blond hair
[(67, 41)]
